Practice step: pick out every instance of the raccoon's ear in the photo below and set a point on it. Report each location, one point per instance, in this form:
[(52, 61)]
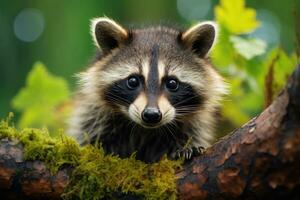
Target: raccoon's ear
[(200, 37), (107, 34)]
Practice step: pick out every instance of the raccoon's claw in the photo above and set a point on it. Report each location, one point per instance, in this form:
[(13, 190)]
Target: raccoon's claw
[(189, 153), (198, 151), (185, 153)]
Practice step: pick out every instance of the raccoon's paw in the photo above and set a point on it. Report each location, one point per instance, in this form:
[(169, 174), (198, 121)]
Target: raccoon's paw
[(188, 153)]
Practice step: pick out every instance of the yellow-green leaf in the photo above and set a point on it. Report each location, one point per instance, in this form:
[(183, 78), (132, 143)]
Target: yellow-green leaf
[(40, 98), (223, 52), (235, 17), (283, 66)]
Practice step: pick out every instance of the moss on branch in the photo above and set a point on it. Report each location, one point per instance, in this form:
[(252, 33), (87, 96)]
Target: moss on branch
[(94, 175)]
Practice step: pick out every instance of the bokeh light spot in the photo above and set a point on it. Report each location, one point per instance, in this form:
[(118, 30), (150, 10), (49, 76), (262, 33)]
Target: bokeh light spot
[(29, 24), (193, 9)]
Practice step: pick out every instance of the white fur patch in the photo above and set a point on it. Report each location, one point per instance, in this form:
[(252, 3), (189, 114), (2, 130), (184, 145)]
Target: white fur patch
[(137, 107), (167, 110), (145, 69), (184, 74), (117, 73), (161, 70)]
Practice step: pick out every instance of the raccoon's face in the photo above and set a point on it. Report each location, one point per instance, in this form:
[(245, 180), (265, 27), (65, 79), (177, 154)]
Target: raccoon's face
[(156, 75)]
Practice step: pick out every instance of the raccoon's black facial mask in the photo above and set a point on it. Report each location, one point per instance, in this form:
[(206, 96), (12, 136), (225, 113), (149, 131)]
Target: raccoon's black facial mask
[(181, 95), (125, 91)]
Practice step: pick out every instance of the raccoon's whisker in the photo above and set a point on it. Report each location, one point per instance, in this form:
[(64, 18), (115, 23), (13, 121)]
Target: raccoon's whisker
[(136, 115), (170, 131), (167, 114), (183, 115), (114, 100), (137, 109), (178, 119), (118, 100), (187, 106), (187, 109), (173, 124), (185, 100), (184, 112), (117, 97), (135, 112), (190, 109), (168, 111)]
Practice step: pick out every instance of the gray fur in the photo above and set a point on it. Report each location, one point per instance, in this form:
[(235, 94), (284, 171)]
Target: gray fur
[(97, 120)]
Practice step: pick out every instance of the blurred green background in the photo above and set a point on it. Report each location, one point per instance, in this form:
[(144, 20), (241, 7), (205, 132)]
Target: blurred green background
[(57, 34)]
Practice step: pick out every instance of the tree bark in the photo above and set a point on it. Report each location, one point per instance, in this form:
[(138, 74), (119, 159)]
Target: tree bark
[(259, 160)]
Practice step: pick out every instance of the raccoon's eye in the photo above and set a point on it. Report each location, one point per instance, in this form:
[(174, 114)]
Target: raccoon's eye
[(172, 84), (133, 82)]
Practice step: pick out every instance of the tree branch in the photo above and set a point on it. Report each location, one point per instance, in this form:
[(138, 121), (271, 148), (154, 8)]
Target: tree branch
[(259, 160)]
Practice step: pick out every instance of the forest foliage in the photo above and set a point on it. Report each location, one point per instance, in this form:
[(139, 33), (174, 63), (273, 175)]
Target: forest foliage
[(254, 71)]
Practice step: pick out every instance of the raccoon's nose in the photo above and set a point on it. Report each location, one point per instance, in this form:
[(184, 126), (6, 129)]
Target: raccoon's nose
[(151, 115)]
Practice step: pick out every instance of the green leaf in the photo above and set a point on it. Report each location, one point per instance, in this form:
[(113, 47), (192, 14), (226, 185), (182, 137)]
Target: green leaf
[(248, 48), (223, 52), (235, 17), (283, 66), (40, 98)]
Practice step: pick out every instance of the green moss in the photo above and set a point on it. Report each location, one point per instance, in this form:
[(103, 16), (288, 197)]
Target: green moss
[(95, 175), (7, 131), (38, 145)]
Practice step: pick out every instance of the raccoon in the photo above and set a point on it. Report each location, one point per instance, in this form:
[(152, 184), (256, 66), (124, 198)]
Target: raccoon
[(151, 91)]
